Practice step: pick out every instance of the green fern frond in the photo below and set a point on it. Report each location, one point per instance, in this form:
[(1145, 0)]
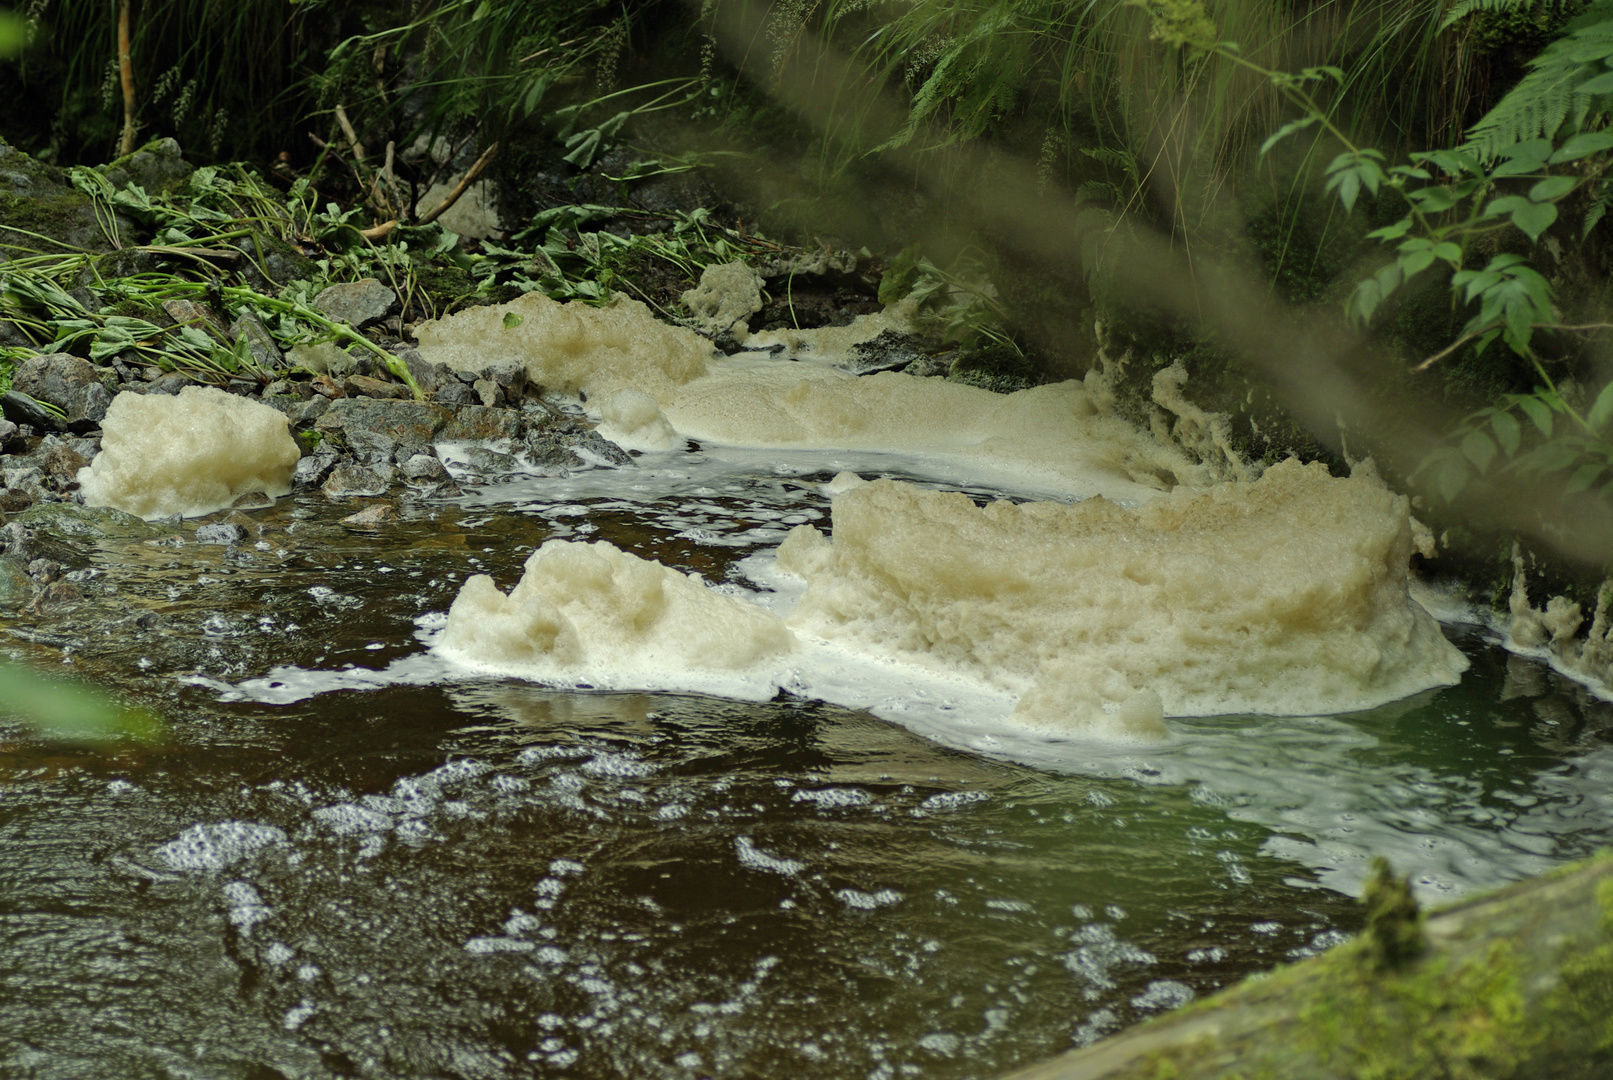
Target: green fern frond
[(1464, 8), (1599, 208), (1549, 98)]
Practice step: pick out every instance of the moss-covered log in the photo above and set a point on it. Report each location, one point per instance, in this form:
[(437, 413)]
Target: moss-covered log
[(1514, 984)]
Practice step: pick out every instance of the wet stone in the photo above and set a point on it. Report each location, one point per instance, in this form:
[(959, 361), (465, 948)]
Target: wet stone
[(890, 351), (60, 461), (364, 386), (371, 447), (353, 481), (428, 375), (171, 383), (9, 433), (312, 470), (454, 393), (328, 387), (44, 571), (70, 383), (16, 587), (488, 392), (265, 352), (401, 421), (15, 499), (423, 469), (22, 410), (371, 516), (220, 533), (481, 423), (253, 500), (490, 462), (357, 303)]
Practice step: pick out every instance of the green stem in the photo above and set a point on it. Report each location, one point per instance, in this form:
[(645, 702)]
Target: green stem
[(397, 367)]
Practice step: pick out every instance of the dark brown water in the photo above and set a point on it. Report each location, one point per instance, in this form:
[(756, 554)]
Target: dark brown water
[(451, 876)]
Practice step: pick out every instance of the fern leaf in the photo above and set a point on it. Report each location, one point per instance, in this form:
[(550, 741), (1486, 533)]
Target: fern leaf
[(1548, 97), (1465, 8)]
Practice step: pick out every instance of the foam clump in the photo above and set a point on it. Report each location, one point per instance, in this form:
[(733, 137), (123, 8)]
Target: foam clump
[(571, 348), (728, 293), (633, 421), (592, 612), (1282, 596), (189, 454)]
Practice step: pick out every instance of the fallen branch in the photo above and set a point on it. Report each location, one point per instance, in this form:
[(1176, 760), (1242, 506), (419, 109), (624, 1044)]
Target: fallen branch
[(1510, 985), (1465, 338), (383, 230)]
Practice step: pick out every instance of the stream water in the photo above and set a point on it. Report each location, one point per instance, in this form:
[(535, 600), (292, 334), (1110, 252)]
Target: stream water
[(348, 858)]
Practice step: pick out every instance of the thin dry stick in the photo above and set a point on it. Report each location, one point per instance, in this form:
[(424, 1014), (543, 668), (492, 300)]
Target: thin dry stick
[(352, 136), (1465, 338), (383, 230), (126, 75)]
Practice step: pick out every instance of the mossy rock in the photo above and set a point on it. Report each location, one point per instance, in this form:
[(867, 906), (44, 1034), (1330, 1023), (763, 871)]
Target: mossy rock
[(158, 167), (36, 201), (1002, 369)]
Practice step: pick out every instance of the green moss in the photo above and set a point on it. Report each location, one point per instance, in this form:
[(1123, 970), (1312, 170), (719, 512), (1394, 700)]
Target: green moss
[(1001, 369)]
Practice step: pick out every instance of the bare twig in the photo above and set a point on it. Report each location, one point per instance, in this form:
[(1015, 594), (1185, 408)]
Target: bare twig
[(1465, 338), (383, 230), (352, 136), (126, 76)]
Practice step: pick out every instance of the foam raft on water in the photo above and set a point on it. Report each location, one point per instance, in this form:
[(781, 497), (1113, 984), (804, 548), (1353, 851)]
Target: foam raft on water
[(1282, 596), (189, 454), (654, 385)]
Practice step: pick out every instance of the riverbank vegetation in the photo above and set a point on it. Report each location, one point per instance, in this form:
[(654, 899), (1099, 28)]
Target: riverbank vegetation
[(1374, 226)]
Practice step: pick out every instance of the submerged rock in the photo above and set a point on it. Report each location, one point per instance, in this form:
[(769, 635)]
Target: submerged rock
[(349, 481)]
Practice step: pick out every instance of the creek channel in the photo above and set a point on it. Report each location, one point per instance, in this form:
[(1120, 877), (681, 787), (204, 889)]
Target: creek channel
[(349, 857)]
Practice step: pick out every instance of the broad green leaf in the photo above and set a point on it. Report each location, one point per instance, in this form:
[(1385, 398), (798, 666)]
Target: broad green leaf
[(1389, 277), (1450, 478), (1433, 200), (1601, 410), (1364, 300), (1478, 448), (1349, 188), (1584, 477), (1283, 132), (1507, 431), (1524, 157), (1538, 412), (1392, 232), (1449, 252), (1416, 262), (1583, 145), (1506, 204), (512, 320), (1552, 188), (1534, 218)]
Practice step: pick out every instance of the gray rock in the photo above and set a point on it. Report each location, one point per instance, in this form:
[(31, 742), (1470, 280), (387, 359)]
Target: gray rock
[(430, 376), (488, 392), (350, 481), (312, 470), (490, 462), (16, 587), (22, 409), (890, 351), (253, 500), (59, 460), (508, 375), (371, 516), (170, 383), (157, 166), (357, 303), (402, 421), (423, 469), (309, 411), (14, 499), (222, 532), (259, 340), (8, 434), (68, 382), (371, 447), (481, 423), (454, 393), (27, 544)]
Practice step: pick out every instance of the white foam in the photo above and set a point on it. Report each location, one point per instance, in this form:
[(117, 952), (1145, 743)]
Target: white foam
[(213, 847), (190, 453)]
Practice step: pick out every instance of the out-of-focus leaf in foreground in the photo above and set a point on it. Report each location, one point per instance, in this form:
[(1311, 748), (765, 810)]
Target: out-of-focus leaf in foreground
[(70, 712)]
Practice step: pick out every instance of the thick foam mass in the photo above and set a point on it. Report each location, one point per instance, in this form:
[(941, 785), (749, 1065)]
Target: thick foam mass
[(594, 613), (654, 385), (191, 454), (1286, 595), (571, 347)]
